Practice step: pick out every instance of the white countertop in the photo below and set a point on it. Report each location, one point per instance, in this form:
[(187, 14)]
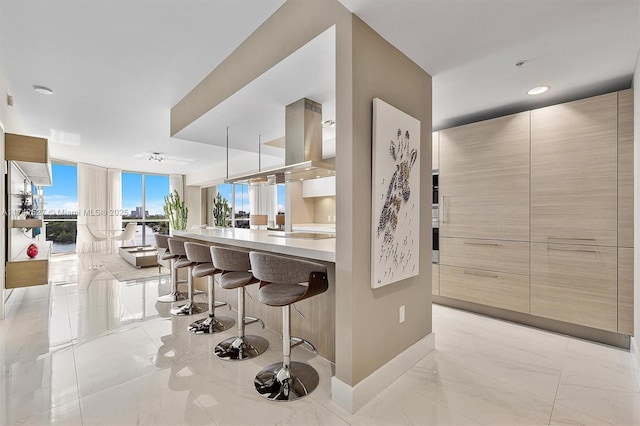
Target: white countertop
[(270, 241), (314, 227)]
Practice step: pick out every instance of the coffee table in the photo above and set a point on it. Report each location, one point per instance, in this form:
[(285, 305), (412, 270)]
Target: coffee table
[(140, 256)]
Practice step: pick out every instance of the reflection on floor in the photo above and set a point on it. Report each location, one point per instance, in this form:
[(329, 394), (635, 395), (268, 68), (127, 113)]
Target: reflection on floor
[(91, 350)]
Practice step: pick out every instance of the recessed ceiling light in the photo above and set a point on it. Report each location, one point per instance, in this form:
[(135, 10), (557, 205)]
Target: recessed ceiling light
[(42, 90), (538, 90)]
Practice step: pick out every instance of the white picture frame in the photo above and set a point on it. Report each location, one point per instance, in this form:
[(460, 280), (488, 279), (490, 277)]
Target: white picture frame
[(395, 222)]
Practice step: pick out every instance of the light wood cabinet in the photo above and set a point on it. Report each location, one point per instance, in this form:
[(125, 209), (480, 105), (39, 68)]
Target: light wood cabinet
[(575, 283), (23, 271), (435, 279), (536, 212), (31, 154), (484, 179), (625, 291), (625, 168), (435, 151), (498, 289), (574, 171), (491, 255)]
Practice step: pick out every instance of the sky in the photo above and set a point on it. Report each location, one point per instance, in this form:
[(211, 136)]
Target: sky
[(62, 196), (156, 187)]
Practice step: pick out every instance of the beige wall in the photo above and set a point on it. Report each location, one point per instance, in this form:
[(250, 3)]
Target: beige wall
[(193, 201), (298, 209), (369, 334), (636, 215), (210, 194), (308, 210), (325, 210)]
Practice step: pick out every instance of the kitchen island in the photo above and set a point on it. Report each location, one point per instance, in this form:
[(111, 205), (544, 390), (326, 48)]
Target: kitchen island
[(298, 244), (318, 324)]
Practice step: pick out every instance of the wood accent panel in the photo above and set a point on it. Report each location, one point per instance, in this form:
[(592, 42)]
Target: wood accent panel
[(625, 168), (498, 289), (26, 148), (575, 283), (492, 255), (484, 179), (625, 290), (435, 279), (27, 273), (26, 223), (573, 171), (435, 150)]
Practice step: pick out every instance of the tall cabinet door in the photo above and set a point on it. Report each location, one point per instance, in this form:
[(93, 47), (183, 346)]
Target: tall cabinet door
[(575, 283), (574, 172), (484, 179), (625, 168)]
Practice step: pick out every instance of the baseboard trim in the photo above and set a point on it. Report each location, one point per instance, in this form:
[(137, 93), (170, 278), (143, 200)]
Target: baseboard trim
[(352, 398), (635, 352), (579, 331)]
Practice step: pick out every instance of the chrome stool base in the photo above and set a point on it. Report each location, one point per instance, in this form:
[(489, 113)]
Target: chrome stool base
[(239, 348), (277, 384), (171, 297), (210, 325), (189, 308)]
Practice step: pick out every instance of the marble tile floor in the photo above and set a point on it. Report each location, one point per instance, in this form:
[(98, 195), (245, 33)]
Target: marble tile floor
[(91, 350)]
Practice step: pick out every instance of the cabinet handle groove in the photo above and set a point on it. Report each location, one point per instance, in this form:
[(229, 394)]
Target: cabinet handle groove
[(480, 273), (477, 243), (571, 239), (567, 248)]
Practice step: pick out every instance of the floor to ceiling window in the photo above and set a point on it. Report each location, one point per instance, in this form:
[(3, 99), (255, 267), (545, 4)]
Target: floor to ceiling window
[(61, 208), (143, 199), (237, 196)]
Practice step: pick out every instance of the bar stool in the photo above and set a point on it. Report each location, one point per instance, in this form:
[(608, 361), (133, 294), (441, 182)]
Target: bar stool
[(177, 247), (235, 265), (284, 281), (201, 254), (162, 242)]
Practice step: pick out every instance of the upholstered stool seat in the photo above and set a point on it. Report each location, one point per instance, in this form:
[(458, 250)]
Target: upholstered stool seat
[(162, 243), (177, 247), (201, 255), (235, 265), (284, 281)]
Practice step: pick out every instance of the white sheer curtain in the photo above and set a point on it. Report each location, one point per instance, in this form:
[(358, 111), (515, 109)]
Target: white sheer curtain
[(114, 200), (93, 205), (176, 182), (263, 199)]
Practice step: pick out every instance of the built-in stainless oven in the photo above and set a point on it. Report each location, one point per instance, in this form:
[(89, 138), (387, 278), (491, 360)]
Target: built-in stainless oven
[(435, 220)]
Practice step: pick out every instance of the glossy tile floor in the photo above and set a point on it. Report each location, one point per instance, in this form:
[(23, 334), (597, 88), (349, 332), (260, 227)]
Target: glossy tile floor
[(90, 350)]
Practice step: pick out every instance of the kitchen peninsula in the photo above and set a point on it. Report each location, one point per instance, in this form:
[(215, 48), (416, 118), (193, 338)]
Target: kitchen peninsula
[(318, 324), (307, 245)]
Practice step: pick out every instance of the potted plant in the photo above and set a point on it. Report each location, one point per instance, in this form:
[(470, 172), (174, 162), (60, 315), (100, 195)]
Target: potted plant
[(176, 211), (221, 211)]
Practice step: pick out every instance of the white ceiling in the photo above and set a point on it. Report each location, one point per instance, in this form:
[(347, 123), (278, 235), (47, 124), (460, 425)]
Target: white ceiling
[(259, 107), (577, 47), (117, 67)]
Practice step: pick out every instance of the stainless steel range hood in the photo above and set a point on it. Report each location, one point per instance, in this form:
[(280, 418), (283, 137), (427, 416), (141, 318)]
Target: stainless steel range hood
[(302, 149)]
